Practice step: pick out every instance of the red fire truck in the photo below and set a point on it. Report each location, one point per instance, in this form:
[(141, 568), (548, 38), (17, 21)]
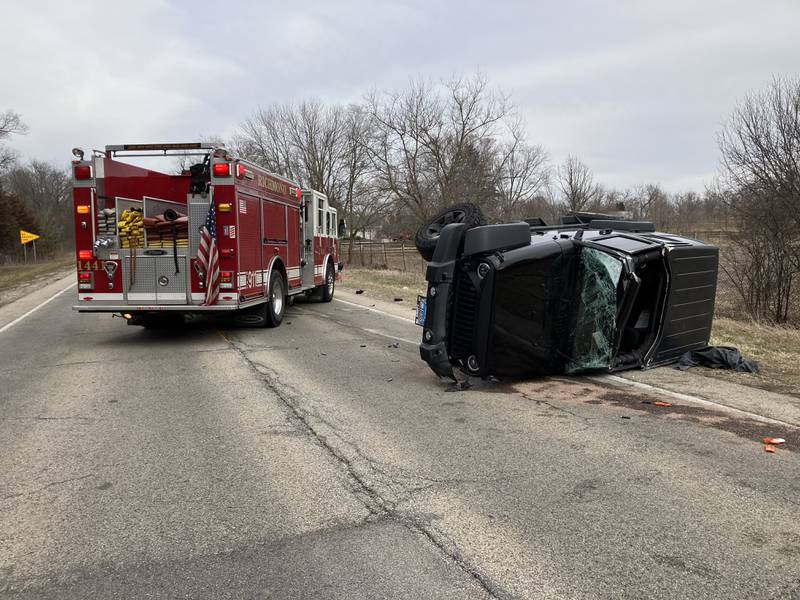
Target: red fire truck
[(222, 235)]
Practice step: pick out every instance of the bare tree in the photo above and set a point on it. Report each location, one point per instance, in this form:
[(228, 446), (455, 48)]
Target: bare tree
[(760, 170), (322, 147), (266, 140), (577, 185), (427, 139), (364, 206), (10, 123), (521, 175)]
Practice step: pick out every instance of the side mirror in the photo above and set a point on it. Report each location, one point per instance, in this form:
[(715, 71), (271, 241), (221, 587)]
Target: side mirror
[(342, 228)]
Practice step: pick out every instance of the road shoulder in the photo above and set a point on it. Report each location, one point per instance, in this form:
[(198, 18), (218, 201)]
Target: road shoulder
[(60, 282)]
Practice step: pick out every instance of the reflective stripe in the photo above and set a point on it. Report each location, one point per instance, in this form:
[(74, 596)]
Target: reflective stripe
[(100, 296)]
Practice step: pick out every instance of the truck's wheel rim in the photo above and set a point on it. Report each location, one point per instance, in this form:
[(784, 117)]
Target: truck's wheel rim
[(452, 216), (330, 280), (276, 298)]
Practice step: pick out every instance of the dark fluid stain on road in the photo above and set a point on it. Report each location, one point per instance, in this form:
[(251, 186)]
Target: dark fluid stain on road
[(678, 563), (743, 427), (585, 489), (563, 391), (104, 486)]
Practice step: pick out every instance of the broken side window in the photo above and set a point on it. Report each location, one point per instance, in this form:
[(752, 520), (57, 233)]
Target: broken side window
[(596, 319)]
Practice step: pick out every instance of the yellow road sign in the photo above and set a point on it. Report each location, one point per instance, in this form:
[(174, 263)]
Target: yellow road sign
[(26, 237)]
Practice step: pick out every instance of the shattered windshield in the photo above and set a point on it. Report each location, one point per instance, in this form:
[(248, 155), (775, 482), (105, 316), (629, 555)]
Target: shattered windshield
[(596, 323)]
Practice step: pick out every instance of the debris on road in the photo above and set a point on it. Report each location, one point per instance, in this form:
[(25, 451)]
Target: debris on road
[(774, 441), (394, 345), (717, 357), (359, 291), (363, 345), (662, 404), (398, 299), (769, 448)]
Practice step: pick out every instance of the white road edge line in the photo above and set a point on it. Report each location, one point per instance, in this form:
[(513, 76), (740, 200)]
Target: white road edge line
[(37, 307), (688, 398), (375, 310)]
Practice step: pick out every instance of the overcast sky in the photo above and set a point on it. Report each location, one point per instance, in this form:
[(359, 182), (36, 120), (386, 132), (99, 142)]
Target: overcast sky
[(637, 89)]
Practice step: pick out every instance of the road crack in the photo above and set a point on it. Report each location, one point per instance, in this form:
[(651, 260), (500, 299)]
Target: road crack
[(361, 470)]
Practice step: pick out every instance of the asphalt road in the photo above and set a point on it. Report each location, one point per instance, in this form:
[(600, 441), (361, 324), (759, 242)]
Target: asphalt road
[(318, 460)]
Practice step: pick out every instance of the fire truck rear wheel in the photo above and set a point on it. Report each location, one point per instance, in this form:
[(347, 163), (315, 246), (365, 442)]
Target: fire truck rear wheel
[(330, 284), (276, 307)]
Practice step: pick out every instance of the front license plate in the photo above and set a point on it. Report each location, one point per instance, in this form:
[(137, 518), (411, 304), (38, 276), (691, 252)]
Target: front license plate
[(422, 304)]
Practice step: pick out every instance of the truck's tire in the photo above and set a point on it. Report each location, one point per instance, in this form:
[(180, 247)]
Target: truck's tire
[(330, 283), (428, 235), (276, 307)]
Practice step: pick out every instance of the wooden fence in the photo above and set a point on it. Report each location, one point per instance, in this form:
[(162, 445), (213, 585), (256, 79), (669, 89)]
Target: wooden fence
[(399, 256), (403, 255)]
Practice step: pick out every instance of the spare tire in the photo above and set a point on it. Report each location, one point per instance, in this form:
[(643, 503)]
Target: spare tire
[(428, 235)]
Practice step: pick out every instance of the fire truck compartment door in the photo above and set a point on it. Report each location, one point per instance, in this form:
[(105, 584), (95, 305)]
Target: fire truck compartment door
[(153, 279), (307, 251), (171, 286)]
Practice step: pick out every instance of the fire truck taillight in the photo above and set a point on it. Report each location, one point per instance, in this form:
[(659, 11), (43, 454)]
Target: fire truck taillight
[(85, 280), (222, 170), (226, 280), (83, 172), (240, 171), (85, 254)]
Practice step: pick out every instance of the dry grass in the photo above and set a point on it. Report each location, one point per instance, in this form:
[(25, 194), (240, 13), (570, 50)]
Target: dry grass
[(776, 349), (385, 284), (13, 275)]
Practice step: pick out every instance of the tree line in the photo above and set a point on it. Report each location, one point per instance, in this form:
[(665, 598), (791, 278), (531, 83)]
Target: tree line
[(397, 157), (34, 197)]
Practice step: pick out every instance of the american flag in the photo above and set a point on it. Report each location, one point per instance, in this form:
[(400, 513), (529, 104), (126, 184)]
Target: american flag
[(209, 256)]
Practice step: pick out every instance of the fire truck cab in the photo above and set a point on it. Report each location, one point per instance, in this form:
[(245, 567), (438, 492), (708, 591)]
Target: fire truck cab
[(141, 250)]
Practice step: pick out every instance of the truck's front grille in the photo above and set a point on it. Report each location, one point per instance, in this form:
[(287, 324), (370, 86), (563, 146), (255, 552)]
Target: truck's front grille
[(465, 313)]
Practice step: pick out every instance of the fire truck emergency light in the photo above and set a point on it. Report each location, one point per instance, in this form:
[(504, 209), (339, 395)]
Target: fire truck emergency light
[(222, 170), (85, 254), (83, 172)]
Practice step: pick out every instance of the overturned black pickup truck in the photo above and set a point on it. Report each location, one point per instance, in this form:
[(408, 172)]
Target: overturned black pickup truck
[(590, 294)]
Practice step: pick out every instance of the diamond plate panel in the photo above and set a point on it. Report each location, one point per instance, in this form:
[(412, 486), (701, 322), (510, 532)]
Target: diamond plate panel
[(143, 274), (175, 282)]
